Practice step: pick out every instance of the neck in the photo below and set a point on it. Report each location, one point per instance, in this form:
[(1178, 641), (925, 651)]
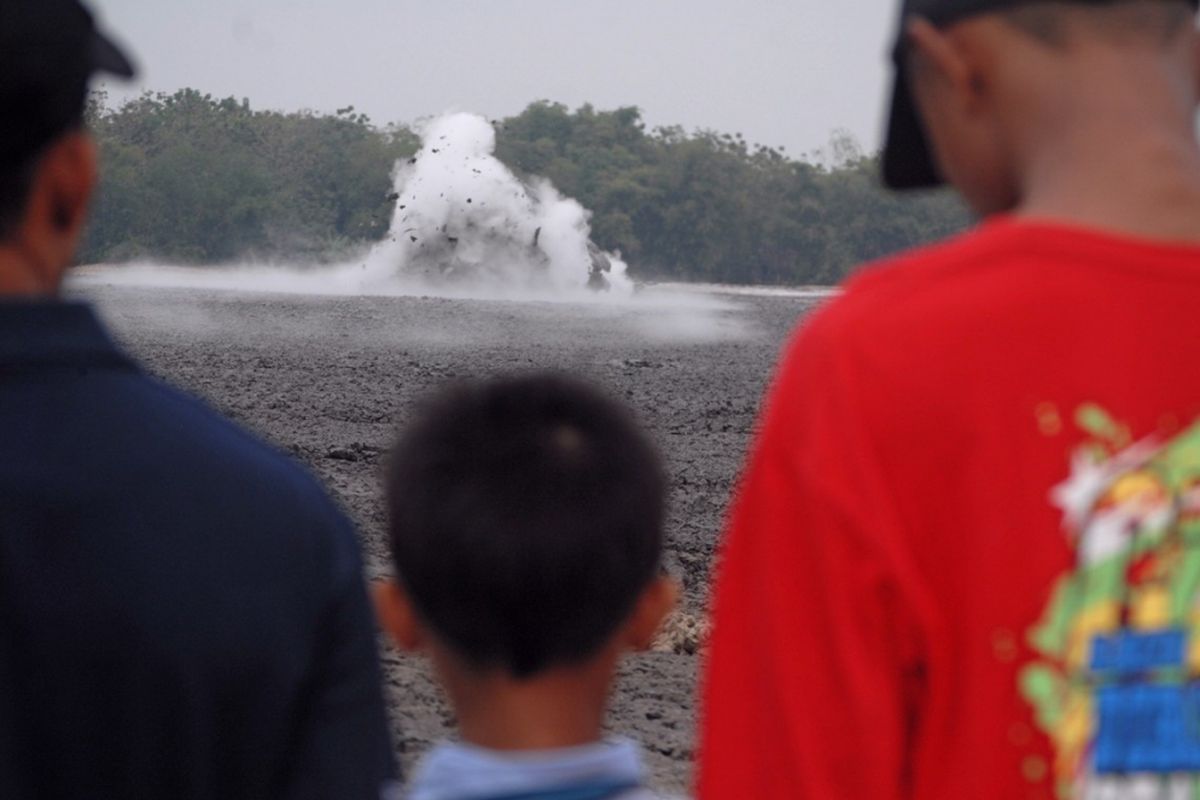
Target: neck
[(558, 709), (20, 280), (1120, 155)]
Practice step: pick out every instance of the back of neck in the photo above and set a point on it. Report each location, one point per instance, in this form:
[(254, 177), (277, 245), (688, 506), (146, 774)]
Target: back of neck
[(1124, 159), (1148, 187), (20, 281), (560, 709)]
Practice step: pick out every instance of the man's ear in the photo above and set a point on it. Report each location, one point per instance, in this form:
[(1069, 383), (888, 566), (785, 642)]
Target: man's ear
[(934, 53), (657, 601), (69, 171), (56, 210), (397, 616)]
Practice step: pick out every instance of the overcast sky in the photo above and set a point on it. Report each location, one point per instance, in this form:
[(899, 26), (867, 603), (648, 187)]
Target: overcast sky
[(782, 73)]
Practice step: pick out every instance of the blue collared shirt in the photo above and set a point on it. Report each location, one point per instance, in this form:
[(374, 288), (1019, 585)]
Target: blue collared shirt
[(456, 771), (181, 608)]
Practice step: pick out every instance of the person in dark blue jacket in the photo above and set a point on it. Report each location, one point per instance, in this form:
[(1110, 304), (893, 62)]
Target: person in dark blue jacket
[(182, 612)]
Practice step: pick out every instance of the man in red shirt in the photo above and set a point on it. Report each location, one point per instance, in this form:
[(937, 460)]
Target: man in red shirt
[(965, 559)]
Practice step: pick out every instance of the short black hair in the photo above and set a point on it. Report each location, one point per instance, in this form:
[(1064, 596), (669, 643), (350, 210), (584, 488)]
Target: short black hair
[(526, 519), (1051, 22)]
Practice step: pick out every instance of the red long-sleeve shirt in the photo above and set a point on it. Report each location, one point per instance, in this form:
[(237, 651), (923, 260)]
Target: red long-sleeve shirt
[(924, 589)]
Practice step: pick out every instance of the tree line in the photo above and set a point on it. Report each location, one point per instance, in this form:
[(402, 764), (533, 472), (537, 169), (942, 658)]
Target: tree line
[(192, 178)]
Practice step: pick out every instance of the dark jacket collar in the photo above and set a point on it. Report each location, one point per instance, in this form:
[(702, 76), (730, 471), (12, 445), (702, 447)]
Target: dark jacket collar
[(53, 333)]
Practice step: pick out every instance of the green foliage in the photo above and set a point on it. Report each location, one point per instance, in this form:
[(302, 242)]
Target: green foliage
[(189, 177), (708, 206)]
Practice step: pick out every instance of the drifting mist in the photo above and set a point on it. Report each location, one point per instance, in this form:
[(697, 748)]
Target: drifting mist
[(464, 226)]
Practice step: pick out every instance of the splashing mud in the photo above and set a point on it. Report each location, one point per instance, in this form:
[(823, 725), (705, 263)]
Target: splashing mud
[(463, 218), (464, 226)]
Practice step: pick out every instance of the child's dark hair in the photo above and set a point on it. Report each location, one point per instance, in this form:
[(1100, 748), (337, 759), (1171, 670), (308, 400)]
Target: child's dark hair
[(526, 519)]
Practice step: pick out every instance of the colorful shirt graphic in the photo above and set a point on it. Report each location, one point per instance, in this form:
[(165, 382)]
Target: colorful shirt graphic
[(1117, 685)]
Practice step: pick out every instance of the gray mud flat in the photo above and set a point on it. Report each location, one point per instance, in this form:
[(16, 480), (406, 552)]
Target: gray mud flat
[(329, 380)]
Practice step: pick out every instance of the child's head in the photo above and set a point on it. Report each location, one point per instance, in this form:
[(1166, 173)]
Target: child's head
[(526, 520)]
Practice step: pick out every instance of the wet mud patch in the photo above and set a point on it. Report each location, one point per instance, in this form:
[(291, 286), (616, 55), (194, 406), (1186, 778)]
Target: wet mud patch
[(330, 379)]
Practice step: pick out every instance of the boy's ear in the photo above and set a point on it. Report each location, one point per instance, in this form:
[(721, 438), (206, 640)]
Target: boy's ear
[(1194, 42), (397, 616), (658, 600), (935, 53)]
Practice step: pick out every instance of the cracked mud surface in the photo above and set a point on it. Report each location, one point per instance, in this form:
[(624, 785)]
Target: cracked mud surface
[(329, 380)]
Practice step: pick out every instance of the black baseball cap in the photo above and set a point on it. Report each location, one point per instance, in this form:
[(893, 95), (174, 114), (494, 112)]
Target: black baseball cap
[(49, 49), (907, 158)]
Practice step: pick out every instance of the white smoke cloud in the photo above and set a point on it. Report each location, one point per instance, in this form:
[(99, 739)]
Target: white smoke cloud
[(464, 227), (462, 218)]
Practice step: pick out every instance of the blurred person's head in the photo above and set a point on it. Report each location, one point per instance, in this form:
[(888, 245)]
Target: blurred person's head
[(526, 521), (990, 91), (49, 49)]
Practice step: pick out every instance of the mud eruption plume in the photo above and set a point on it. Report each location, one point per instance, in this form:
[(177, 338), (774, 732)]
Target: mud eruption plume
[(463, 218)]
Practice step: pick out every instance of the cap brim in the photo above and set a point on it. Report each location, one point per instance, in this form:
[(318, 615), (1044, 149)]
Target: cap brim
[(107, 57), (907, 158)]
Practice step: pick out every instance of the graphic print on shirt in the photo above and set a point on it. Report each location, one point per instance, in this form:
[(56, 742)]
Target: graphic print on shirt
[(1116, 686)]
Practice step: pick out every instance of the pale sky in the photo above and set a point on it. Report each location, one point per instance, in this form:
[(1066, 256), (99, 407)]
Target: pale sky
[(782, 72)]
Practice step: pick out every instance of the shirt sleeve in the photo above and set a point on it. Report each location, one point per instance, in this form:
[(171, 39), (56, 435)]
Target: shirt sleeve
[(810, 688), (343, 748)]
